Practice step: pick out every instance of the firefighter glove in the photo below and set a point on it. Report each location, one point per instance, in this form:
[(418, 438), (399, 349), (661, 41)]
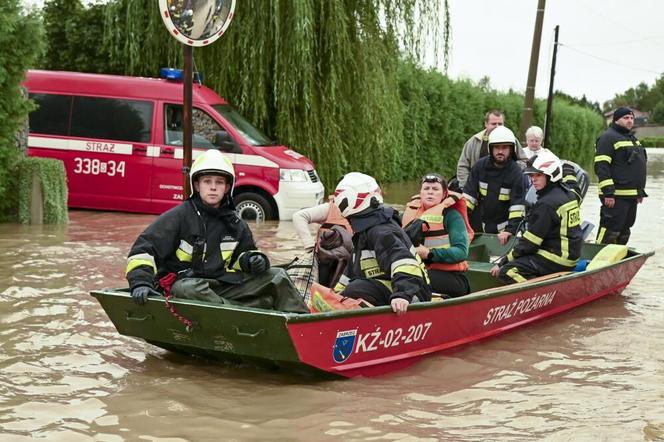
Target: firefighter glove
[(140, 294), (258, 264)]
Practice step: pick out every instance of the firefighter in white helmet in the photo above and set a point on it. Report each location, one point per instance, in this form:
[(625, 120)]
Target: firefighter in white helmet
[(496, 188), (553, 239), (384, 268), (208, 249)]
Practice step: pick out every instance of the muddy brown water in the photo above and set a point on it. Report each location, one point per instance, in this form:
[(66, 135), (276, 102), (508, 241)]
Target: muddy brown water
[(595, 373)]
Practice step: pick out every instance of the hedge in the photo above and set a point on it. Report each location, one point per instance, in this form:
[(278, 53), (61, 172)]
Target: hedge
[(652, 141), (439, 114), (52, 176), (20, 44)]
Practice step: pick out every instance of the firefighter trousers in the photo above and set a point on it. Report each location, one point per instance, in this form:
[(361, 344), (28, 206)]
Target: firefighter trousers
[(271, 290), (449, 284), (615, 222), (528, 267)]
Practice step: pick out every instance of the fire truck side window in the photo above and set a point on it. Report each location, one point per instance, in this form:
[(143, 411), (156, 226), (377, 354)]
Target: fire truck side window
[(205, 127), (112, 119), (52, 115)]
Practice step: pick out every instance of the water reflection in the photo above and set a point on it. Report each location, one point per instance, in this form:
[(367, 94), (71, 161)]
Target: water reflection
[(65, 374)]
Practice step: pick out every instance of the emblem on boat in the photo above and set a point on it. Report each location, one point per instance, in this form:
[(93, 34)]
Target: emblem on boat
[(344, 345)]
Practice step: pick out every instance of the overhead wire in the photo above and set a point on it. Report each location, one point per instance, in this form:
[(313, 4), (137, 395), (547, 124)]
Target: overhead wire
[(622, 42), (606, 60), (574, 47), (596, 12)]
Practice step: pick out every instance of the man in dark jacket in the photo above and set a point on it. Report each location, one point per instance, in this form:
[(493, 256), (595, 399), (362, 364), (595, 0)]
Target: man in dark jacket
[(553, 240), (384, 268), (620, 165), (496, 187), (209, 248), (477, 146)]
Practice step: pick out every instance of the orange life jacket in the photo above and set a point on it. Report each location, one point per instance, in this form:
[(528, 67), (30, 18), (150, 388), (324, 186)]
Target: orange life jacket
[(334, 218), (435, 236)]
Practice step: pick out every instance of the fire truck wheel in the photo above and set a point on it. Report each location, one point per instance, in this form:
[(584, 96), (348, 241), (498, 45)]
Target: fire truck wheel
[(253, 207)]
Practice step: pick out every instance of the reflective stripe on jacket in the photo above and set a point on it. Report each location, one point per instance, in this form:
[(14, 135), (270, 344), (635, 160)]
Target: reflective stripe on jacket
[(499, 194), (554, 228), (382, 251), (620, 164), (211, 242)]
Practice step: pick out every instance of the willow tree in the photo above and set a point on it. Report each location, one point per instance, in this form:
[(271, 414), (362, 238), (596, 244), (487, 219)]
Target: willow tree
[(20, 45), (320, 76)]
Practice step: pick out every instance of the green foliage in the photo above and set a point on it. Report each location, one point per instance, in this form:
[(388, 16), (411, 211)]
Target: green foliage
[(583, 101), (652, 141), (441, 114), (632, 97), (642, 97), (574, 131), (74, 36), (657, 115), (318, 76), (53, 179), (20, 45), (329, 79)]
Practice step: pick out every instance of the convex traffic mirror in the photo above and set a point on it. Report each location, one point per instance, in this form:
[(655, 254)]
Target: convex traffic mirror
[(196, 22)]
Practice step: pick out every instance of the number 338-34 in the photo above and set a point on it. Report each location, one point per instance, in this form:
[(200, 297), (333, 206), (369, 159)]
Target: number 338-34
[(87, 166)]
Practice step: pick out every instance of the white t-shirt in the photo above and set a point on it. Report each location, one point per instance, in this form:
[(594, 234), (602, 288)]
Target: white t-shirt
[(312, 215), (532, 153)]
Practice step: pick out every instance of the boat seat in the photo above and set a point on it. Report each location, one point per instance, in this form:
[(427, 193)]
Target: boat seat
[(525, 283), (478, 252), (480, 266)]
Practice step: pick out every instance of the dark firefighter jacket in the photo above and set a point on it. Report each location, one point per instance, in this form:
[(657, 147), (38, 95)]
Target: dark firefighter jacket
[(383, 251), (554, 228), (192, 236), (620, 163), (498, 193), (571, 173)]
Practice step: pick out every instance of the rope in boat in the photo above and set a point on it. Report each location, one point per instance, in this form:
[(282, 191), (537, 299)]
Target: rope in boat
[(166, 283)]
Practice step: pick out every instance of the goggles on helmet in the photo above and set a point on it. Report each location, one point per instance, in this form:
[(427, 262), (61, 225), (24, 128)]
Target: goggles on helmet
[(433, 178)]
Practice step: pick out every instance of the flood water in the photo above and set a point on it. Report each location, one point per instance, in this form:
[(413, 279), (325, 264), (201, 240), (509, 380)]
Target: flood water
[(596, 373)]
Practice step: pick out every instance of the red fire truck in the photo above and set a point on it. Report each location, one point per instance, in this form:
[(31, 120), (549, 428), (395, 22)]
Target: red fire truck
[(120, 139)]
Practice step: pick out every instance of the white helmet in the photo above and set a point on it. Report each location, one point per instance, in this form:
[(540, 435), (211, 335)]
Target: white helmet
[(357, 192), (212, 162), (548, 164), (501, 135)]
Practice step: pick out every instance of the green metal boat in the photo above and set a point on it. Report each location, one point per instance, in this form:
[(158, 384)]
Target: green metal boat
[(368, 341)]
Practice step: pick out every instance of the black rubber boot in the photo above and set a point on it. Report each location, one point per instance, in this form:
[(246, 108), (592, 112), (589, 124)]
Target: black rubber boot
[(623, 237), (605, 236)]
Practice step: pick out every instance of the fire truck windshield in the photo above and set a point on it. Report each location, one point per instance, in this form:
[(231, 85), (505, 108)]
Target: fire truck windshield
[(251, 134)]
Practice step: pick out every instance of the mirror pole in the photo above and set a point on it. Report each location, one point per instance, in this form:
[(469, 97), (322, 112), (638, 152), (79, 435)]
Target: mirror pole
[(186, 115)]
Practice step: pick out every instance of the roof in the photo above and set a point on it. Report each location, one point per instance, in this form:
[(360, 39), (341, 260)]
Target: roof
[(637, 113), (101, 85), (649, 130)]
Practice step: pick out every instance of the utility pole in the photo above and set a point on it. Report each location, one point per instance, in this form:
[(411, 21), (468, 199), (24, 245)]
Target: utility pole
[(194, 25), (529, 101), (549, 100), (187, 123)]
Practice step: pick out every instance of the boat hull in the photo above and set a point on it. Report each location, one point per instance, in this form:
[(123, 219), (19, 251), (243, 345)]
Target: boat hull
[(374, 344), (363, 342)]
